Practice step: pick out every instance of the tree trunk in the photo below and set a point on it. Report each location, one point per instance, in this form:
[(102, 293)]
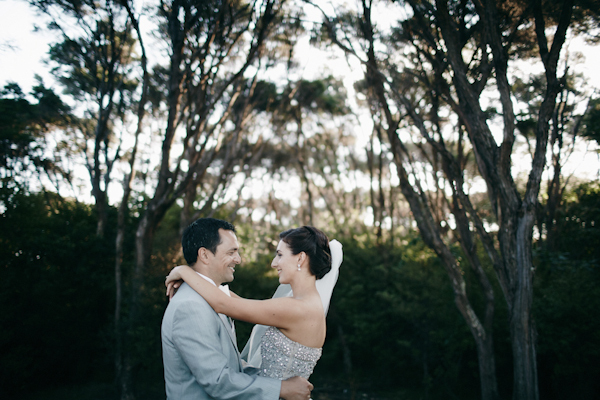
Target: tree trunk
[(123, 367), (187, 211), (122, 374), (522, 328), (487, 367), (430, 231), (101, 210), (440, 35), (143, 250), (481, 333)]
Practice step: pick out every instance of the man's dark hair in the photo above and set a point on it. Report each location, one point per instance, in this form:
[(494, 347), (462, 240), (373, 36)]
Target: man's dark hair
[(203, 232)]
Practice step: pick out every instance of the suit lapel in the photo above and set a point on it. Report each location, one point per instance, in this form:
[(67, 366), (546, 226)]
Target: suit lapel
[(227, 322)]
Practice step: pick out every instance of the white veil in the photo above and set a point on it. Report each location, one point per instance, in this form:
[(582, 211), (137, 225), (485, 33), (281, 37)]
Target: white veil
[(251, 353)]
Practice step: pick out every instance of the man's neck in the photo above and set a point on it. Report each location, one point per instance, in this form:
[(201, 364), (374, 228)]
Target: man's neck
[(206, 276)]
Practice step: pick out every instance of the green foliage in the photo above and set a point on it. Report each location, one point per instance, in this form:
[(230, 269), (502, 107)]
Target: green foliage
[(56, 294), (326, 96), (92, 66), (396, 313), (147, 351), (578, 221), (22, 125), (586, 16), (567, 300), (392, 309), (591, 121)]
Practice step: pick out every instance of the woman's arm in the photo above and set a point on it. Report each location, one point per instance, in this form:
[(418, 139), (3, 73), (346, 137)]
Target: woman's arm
[(279, 312)]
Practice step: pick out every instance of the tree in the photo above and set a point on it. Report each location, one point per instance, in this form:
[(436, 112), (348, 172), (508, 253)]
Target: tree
[(435, 67), (212, 46), (23, 127), (200, 87), (572, 114), (121, 373), (301, 127), (94, 65)]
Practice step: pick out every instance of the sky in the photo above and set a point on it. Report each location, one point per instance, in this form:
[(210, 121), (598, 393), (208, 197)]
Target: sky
[(21, 50)]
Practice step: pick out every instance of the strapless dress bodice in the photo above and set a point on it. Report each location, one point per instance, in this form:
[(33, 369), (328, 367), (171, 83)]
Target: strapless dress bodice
[(282, 358)]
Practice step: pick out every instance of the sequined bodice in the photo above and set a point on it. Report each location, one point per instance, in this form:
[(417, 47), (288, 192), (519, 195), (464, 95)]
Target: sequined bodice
[(282, 358)]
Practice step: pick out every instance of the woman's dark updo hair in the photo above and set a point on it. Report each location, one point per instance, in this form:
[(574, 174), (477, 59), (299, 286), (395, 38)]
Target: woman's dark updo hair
[(314, 243)]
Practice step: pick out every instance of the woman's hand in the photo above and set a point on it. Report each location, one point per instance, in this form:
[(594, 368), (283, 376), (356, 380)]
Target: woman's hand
[(173, 281)]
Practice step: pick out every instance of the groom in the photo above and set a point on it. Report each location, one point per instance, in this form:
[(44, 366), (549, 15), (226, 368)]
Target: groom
[(200, 354)]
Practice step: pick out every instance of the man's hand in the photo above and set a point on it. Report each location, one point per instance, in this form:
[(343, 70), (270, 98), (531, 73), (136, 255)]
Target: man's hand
[(296, 388)]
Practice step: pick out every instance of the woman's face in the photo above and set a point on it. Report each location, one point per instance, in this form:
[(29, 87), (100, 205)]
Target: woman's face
[(285, 262)]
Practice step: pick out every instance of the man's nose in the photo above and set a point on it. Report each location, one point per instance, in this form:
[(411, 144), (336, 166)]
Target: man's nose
[(238, 259)]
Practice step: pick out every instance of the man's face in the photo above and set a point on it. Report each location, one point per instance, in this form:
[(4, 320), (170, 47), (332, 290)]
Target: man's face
[(223, 262)]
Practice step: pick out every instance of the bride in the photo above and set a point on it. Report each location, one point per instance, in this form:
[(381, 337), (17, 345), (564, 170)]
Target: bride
[(291, 327)]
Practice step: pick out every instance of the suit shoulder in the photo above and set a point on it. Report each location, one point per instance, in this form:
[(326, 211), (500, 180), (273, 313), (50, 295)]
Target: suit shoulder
[(187, 296)]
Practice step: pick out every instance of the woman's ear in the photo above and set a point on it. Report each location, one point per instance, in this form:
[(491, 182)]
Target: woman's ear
[(303, 257)]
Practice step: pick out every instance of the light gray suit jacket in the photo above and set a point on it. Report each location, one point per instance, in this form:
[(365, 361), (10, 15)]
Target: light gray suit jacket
[(200, 355)]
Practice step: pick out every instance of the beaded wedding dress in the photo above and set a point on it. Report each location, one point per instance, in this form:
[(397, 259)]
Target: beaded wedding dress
[(282, 358)]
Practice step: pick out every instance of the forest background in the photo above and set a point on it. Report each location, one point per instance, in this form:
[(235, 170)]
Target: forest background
[(445, 163)]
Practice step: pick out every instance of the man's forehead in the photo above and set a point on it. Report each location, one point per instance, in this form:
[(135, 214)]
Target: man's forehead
[(228, 239)]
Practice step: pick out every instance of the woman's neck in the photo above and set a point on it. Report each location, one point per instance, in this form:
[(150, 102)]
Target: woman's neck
[(303, 287)]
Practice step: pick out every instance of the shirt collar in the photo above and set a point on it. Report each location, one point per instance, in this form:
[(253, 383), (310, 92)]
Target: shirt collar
[(223, 288), (207, 278)]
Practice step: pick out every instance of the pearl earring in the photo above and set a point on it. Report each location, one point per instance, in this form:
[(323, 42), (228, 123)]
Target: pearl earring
[(299, 269)]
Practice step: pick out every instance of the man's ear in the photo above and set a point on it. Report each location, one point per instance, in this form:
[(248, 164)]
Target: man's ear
[(203, 255)]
